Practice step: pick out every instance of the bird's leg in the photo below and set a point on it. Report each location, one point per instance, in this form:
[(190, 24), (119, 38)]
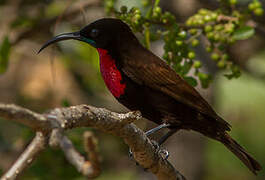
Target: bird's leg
[(161, 126), (151, 131), (163, 139)]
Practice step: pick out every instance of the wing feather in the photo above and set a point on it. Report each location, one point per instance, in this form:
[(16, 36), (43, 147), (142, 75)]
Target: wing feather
[(149, 70)]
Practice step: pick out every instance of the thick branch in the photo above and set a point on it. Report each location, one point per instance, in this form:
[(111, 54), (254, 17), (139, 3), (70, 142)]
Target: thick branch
[(143, 150), (61, 119)]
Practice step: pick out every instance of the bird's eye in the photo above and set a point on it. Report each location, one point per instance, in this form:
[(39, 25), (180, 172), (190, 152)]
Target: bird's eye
[(94, 33)]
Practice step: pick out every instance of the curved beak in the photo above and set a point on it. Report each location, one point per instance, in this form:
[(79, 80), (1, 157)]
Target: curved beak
[(62, 37)]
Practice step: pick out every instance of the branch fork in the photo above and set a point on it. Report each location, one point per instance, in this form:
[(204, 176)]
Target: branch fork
[(50, 129)]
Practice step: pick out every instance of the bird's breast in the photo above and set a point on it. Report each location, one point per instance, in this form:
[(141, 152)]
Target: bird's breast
[(110, 73)]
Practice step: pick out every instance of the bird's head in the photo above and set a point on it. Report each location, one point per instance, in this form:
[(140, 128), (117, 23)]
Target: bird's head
[(103, 33)]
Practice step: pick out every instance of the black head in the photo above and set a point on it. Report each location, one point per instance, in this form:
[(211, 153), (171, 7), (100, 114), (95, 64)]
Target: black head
[(103, 33)]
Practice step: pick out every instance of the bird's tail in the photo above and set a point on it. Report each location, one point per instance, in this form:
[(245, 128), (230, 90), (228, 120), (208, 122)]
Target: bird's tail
[(240, 152)]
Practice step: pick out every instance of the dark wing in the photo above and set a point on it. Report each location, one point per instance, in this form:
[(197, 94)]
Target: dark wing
[(149, 70)]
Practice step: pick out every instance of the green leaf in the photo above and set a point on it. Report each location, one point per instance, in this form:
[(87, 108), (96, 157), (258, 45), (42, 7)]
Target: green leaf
[(192, 81), (243, 33), (4, 54)]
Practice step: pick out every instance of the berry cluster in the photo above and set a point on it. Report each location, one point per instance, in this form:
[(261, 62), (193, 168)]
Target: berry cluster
[(220, 28), (256, 8)]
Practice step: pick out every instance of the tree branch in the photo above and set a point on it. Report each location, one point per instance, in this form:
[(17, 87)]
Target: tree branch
[(26, 158), (24, 116), (60, 119)]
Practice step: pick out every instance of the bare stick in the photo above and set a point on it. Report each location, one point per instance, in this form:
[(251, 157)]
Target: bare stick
[(27, 157), (93, 165), (24, 116)]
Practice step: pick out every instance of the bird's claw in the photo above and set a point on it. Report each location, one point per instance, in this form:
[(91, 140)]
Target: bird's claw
[(130, 154), (155, 144), (164, 153)]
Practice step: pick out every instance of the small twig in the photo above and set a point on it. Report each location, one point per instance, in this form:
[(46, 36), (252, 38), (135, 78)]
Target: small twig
[(223, 17), (27, 157), (72, 155), (93, 165), (45, 25)]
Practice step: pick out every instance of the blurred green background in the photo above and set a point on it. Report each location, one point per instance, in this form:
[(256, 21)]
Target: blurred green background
[(68, 74)]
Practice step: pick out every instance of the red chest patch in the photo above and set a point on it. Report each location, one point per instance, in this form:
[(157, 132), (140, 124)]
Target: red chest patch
[(110, 73)]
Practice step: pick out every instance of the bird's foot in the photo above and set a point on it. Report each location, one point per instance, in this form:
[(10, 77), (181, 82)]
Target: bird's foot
[(163, 152), (130, 154)]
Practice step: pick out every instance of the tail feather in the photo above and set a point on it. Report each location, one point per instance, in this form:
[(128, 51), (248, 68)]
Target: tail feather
[(241, 153)]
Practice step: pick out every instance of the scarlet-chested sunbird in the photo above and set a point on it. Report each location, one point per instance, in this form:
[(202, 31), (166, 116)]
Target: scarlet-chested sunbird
[(140, 80)]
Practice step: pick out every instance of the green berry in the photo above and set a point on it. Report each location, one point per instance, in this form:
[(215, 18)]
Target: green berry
[(137, 16), (191, 55), (165, 21), (221, 64), (197, 64), (193, 31), (218, 27), (157, 10), (208, 28), (145, 3), (251, 6), (229, 28), (155, 15), (110, 4), (207, 18), (209, 49), (203, 11), (214, 16), (189, 22), (179, 43), (203, 76), (217, 37), (137, 11), (215, 56), (195, 42), (198, 16), (167, 14), (232, 2), (256, 4), (182, 34), (200, 21), (210, 35), (258, 12)]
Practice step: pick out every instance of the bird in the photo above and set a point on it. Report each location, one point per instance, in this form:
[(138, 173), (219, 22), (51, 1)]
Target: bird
[(142, 81)]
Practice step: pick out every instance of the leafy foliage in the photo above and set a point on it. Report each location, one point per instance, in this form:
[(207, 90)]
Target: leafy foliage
[(221, 28)]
